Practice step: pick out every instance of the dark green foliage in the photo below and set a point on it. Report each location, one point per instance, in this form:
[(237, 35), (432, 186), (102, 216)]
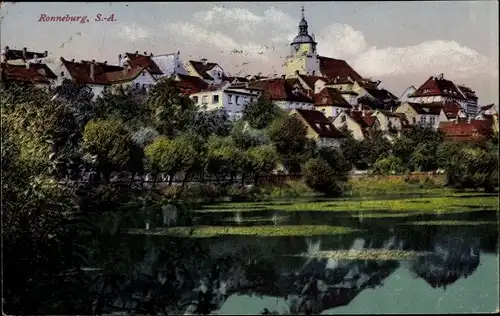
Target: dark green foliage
[(321, 177), (261, 113), (213, 122)]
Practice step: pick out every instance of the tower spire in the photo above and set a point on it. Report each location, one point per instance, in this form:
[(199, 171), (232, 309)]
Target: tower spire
[(303, 13)]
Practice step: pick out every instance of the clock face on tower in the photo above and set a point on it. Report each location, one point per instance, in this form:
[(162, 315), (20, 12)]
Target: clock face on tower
[(296, 47)]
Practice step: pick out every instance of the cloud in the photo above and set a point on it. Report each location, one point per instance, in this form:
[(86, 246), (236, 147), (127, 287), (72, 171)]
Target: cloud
[(134, 32), (341, 40), (194, 35), (429, 57)]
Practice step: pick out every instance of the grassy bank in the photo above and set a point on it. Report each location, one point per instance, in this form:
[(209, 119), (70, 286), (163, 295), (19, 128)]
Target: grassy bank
[(433, 202)]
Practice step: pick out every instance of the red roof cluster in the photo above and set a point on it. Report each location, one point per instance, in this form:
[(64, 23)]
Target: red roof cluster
[(319, 123), (36, 73), (464, 130), (191, 84), (330, 97), (333, 68), (438, 86), (104, 74), (282, 90), (143, 61), (24, 54)]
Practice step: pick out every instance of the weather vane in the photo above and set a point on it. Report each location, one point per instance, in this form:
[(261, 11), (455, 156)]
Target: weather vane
[(302, 12)]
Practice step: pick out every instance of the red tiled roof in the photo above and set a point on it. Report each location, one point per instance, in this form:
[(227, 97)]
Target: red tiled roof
[(451, 109), (311, 80), (144, 61), (364, 121), (103, 74), (330, 97), (203, 68), (319, 123), (43, 69), (239, 79), (281, 90), (341, 80), (333, 68), (22, 74), (427, 108), (438, 87), (468, 92), (191, 84), (466, 131)]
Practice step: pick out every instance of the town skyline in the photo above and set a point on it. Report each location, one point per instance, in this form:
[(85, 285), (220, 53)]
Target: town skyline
[(247, 38)]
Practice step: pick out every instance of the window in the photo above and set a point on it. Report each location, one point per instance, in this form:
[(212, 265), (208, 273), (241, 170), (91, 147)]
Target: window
[(62, 73), (215, 99), (219, 74), (314, 72), (230, 99), (195, 99), (343, 119), (143, 73), (432, 120), (204, 99), (414, 120), (137, 86), (144, 86), (236, 101)]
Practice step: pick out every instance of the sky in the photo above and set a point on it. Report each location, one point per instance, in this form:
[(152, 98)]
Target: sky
[(399, 43)]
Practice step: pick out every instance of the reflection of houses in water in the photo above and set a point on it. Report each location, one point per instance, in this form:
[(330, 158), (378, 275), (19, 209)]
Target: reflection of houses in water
[(189, 276), (453, 257)]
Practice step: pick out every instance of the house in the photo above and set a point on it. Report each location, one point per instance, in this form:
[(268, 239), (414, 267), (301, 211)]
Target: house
[(471, 106), (190, 84), (387, 121), (210, 72), (37, 74), (319, 127), (101, 75), (288, 94), (362, 89), (426, 114), (330, 102), (451, 111), (137, 60), (15, 55), (233, 99), (488, 109), (438, 89), (466, 130), (312, 84), (380, 98), (358, 123), (405, 96)]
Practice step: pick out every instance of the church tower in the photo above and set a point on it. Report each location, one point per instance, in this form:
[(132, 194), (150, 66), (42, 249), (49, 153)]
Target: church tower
[(303, 58)]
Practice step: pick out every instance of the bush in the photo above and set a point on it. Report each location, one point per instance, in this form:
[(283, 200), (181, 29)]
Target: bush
[(389, 165), (240, 193), (320, 177)]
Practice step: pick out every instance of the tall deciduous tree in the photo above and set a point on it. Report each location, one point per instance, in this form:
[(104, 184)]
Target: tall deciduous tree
[(289, 135), (261, 113), (107, 145), (213, 122), (262, 159), (171, 111)]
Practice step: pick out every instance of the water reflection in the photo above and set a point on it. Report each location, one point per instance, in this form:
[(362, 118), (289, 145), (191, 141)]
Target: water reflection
[(164, 275)]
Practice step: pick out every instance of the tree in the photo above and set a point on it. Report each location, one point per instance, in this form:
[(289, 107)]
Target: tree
[(79, 99), (213, 122), (223, 157), (388, 166), (261, 113), (289, 135), (335, 159), (262, 159), (125, 104), (107, 146), (172, 112), (172, 156), (473, 167), (320, 177), (245, 136)]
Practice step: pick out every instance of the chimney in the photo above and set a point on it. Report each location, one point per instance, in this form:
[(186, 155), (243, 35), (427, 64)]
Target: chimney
[(283, 77), (73, 60), (137, 52), (45, 54), (25, 53), (119, 59), (178, 52), (92, 70), (468, 119), (27, 64), (105, 62), (35, 57), (145, 53), (150, 54), (204, 61)]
